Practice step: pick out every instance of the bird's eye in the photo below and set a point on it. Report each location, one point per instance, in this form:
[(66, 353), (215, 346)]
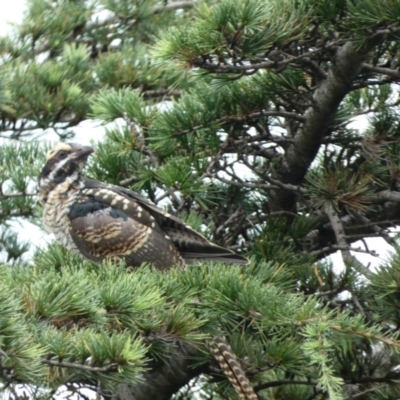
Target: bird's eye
[(62, 154)]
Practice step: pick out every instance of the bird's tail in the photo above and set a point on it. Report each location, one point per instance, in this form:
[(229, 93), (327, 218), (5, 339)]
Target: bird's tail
[(205, 250), (230, 366)]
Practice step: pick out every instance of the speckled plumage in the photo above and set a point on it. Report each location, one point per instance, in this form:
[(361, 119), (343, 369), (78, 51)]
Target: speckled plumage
[(98, 221)]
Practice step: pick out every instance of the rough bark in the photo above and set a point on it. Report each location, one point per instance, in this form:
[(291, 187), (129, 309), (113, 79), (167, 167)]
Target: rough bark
[(164, 378), (346, 64)]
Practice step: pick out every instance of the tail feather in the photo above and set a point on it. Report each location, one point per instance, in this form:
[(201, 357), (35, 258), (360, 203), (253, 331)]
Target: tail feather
[(232, 369), (211, 252)]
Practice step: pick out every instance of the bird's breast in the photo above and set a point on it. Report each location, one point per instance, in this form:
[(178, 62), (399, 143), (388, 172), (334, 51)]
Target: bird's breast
[(55, 214)]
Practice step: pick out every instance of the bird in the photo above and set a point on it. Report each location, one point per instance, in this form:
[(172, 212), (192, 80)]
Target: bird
[(100, 221)]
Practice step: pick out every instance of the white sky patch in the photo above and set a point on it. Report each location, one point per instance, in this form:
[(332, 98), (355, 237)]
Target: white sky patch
[(10, 12), (89, 131), (379, 245)]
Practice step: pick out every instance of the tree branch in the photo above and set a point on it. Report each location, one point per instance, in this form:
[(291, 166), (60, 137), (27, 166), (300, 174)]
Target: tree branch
[(92, 25), (235, 118), (282, 382), (386, 195), (333, 248), (164, 378), (167, 93), (384, 71), (346, 65), (5, 196), (175, 5), (337, 227), (82, 367), (270, 64)]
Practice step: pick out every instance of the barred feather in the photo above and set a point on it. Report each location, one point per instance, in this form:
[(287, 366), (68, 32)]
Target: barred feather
[(230, 366)]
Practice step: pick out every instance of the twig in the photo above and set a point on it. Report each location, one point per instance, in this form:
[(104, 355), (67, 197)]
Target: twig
[(332, 292), (98, 391), (76, 390), (373, 389), (264, 64), (344, 247), (287, 186), (232, 218), (357, 303), (160, 93), (83, 367), (338, 229), (247, 184), (284, 382), (235, 118), (13, 195), (26, 213), (389, 342), (175, 5)]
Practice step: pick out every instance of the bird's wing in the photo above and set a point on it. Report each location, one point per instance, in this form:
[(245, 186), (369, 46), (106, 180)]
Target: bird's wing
[(104, 224), (190, 244)]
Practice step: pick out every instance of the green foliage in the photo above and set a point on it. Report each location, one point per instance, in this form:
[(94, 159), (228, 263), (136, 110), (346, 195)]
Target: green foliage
[(129, 67), (19, 354), (384, 291), (56, 18), (16, 190), (241, 118), (254, 27), (57, 87), (11, 245), (340, 188), (110, 105), (71, 308)]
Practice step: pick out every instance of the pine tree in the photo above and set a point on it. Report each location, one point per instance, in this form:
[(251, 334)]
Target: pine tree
[(270, 126)]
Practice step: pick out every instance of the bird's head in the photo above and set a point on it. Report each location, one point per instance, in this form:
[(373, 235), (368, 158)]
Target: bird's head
[(62, 162)]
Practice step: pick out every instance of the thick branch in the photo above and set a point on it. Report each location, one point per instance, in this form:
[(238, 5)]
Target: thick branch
[(386, 195), (346, 65), (326, 99), (384, 71), (164, 379)]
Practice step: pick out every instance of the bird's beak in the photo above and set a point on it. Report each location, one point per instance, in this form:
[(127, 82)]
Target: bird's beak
[(83, 152)]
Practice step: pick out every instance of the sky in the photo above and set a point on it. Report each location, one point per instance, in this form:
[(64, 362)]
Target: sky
[(10, 11)]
